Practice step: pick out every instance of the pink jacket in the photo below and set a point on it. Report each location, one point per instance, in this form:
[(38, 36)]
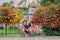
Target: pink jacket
[(22, 27), (33, 28)]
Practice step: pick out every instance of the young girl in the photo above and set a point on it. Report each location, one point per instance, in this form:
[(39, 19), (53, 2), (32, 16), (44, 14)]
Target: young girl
[(22, 26), (32, 28), (27, 29)]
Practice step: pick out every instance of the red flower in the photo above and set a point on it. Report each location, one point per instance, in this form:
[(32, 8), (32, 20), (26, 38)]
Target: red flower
[(41, 20), (54, 24), (8, 14), (35, 16), (12, 16), (36, 23), (46, 21), (58, 11), (5, 21)]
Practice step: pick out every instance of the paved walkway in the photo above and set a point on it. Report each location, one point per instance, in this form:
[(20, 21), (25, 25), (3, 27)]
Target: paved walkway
[(31, 38)]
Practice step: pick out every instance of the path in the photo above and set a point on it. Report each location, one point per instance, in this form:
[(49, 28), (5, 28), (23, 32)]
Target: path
[(31, 38)]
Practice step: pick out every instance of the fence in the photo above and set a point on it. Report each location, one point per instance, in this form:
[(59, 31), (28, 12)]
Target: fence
[(11, 31), (15, 30)]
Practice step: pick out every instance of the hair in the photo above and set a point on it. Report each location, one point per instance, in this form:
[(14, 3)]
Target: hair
[(24, 21), (32, 22)]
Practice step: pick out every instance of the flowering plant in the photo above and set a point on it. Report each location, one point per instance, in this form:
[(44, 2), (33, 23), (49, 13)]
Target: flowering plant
[(45, 15), (48, 18), (40, 15), (10, 15)]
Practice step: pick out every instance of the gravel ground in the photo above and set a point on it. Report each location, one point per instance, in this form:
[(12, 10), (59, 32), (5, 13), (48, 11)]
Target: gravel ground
[(31, 38)]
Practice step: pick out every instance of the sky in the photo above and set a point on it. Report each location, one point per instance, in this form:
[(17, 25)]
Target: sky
[(2, 1)]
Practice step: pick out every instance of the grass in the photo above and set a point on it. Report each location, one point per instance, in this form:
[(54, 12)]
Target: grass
[(10, 32)]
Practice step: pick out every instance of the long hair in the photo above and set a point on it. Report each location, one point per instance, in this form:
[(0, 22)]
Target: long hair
[(31, 22)]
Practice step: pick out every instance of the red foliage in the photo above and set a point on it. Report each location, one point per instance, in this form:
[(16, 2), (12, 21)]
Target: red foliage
[(54, 24)]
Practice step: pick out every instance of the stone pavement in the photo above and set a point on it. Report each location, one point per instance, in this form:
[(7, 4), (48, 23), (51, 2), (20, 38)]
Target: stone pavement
[(31, 38)]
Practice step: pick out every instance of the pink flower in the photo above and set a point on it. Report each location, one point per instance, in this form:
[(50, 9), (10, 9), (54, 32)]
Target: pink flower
[(58, 11)]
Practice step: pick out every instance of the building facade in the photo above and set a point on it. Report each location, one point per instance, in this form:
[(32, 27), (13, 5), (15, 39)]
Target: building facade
[(31, 4)]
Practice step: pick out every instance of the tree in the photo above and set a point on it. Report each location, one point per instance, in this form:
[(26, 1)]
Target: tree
[(11, 3), (24, 9), (38, 1), (47, 2), (6, 4)]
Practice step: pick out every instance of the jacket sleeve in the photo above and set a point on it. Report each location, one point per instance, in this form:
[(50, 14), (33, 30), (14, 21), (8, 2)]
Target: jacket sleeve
[(22, 27)]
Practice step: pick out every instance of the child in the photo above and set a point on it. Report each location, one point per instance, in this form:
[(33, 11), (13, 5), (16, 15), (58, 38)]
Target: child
[(32, 28), (22, 26), (27, 29)]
